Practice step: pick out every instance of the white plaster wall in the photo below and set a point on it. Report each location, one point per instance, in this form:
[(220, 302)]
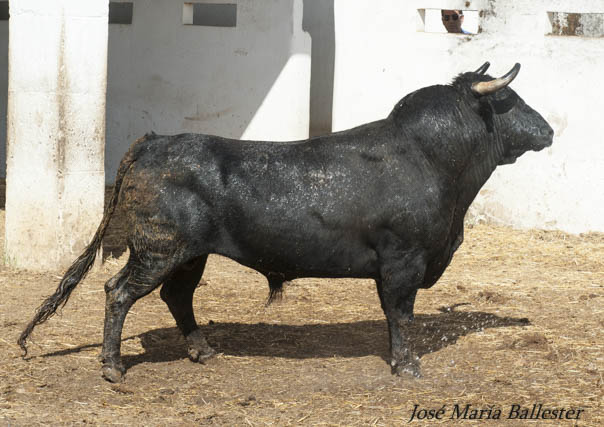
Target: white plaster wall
[(251, 81), (56, 130), (382, 54), (3, 93)]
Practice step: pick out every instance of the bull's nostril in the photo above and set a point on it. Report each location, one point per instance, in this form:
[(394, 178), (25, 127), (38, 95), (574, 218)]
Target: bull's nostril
[(547, 133)]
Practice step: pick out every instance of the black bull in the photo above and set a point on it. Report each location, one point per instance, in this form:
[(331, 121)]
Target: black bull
[(384, 201)]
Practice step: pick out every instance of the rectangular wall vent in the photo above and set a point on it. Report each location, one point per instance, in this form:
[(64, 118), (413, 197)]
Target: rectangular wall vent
[(448, 21), (120, 13), (3, 11), (210, 14), (577, 24)]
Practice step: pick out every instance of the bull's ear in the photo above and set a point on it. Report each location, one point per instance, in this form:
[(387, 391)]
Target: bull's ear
[(486, 112), (486, 88), (483, 68)]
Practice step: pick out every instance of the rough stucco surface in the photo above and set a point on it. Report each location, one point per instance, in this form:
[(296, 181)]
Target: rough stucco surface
[(3, 92), (560, 188), (56, 130)]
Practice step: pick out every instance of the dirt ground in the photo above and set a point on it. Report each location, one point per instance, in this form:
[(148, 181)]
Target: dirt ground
[(517, 319)]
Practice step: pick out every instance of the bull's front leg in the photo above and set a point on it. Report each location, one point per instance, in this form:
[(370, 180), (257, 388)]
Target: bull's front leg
[(397, 289)]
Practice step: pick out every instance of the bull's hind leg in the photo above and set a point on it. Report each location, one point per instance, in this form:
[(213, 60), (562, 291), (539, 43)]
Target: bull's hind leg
[(132, 283), (116, 281), (177, 293)]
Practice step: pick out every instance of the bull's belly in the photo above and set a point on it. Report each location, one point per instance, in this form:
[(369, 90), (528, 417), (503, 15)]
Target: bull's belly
[(304, 258)]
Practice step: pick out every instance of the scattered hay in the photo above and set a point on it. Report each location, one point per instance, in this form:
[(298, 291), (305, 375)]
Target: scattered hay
[(530, 340), (492, 297), (517, 319)]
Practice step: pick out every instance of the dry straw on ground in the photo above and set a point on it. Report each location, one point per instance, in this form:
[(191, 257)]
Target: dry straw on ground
[(517, 319)]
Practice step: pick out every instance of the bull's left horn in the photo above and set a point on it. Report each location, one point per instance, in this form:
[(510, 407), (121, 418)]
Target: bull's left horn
[(483, 68), (486, 88)]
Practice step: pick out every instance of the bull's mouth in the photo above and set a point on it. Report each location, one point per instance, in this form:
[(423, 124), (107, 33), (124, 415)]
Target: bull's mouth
[(511, 157), (508, 161)]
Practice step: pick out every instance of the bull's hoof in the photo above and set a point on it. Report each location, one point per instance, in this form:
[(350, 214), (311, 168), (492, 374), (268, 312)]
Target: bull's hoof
[(199, 349), (200, 357), (112, 373), (403, 369)]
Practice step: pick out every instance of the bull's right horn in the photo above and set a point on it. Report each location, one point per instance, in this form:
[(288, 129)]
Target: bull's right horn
[(486, 88)]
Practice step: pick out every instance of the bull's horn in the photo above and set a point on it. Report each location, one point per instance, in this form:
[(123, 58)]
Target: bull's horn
[(483, 68), (486, 88)]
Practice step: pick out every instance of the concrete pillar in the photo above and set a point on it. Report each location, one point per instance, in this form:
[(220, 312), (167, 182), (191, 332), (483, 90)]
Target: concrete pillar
[(56, 129)]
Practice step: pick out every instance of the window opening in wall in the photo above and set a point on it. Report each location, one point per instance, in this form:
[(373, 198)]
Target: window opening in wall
[(210, 14), (576, 24), (3, 11), (449, 21), (120, 13)]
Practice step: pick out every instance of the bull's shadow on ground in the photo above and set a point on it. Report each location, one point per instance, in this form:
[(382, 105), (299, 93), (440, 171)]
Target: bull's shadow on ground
[(428, 333)]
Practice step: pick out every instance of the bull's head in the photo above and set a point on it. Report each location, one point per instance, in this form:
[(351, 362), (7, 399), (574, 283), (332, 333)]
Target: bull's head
[(518, 126)]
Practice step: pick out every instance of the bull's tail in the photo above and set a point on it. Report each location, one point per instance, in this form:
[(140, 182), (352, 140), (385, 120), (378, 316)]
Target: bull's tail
[(82, 265)]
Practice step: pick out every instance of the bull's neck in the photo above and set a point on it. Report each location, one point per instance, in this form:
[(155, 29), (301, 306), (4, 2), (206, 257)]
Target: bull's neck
[(480, 166)]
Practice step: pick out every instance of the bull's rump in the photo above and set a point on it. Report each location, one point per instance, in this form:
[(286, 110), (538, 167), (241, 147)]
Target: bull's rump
[(314, 208)]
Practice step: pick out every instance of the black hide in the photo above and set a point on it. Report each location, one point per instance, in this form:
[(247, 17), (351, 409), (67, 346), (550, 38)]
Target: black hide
[(384, 201)]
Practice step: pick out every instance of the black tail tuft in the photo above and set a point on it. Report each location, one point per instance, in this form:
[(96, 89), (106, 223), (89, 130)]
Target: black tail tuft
[(274, 295), (71, 279), (275, 283), (82, 265)]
